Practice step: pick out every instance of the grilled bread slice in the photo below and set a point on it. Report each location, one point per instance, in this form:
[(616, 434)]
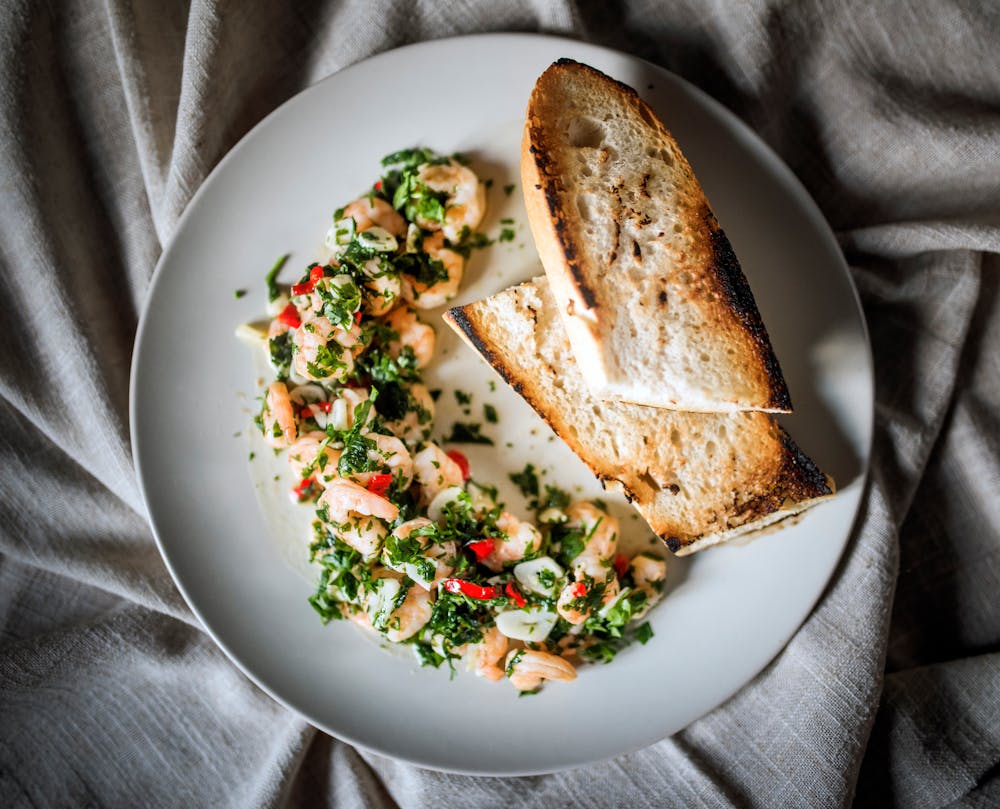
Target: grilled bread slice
[(654, 301), (697, 478)]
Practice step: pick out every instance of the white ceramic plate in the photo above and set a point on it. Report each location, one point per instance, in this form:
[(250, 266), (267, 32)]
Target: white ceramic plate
[(730, 609)]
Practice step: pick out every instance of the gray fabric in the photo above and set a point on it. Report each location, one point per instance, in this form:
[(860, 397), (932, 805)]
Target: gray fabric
[(113, 113)]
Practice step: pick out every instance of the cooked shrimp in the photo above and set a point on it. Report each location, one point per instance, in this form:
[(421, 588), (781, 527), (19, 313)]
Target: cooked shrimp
[(344, 498), (277, 416), (520, 539), (649, 575), (600, 533), (369, 212), (466, 201), (435, 471), (277, 328), (412, 332), (415, 424), (592, 567), (312, 456), (345, 408), (489, 651), (391, 455), (324, 352), (647, 570), (441, 556), (527, 669), (356, 616), (428, 296), (384, 289), (574, 604), (365, 534), (396, 614)]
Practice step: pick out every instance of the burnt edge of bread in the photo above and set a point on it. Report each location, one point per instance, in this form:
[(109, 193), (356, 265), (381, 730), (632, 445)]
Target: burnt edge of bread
[(458, 316), (548, 184), (798, 479), (724, 264), (572, 63), (739, 298)]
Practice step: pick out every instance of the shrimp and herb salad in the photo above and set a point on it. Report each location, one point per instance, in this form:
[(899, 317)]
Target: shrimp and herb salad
[(409, 545)]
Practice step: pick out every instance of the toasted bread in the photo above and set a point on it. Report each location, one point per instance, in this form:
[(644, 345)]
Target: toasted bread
[(653, 298), (697, 478)]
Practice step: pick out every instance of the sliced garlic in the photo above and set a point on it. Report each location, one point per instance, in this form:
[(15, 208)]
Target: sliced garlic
[(435, 509), (482, 498), (528, 625), (528, 575), (552, 515), (378, 239)]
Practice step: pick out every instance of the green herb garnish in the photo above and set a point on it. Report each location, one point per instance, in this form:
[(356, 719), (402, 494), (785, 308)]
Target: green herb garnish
[(272, 285), (462, 433), (526, 480)]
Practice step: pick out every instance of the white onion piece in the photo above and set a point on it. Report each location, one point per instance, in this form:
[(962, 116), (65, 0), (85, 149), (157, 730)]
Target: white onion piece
[(251, 334)]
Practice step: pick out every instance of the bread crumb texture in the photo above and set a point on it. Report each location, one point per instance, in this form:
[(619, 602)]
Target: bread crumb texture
[(697, 478), (656, 306)]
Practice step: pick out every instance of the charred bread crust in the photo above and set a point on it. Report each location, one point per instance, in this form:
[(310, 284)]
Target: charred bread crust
[(735, 292), (797, 479), (541, 182), (722, 292), (778, 485)]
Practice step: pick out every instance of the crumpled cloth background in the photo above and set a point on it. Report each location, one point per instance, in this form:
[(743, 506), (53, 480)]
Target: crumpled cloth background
[(111, 115)]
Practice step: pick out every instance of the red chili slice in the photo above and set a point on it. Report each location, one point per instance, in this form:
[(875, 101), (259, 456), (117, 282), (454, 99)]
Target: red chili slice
[(514, 594), (470, 589), (579, 590), (481, 548), (301, 489), (290, 316), (461, 460), (379, 483), (621, 564), (309, 410), (315, 273)]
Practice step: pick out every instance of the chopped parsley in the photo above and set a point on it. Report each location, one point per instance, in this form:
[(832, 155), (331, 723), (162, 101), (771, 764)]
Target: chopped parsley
[(424, 269), (270, 279), (490, 414), (509, 189), (462, 397), (507, 235), (526, 480), (341, 298), (471, 241), (280, 351), (239, 293), (463, 433)]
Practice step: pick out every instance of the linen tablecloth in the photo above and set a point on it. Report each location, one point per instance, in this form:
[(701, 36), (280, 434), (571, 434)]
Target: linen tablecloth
[(111, 115)]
